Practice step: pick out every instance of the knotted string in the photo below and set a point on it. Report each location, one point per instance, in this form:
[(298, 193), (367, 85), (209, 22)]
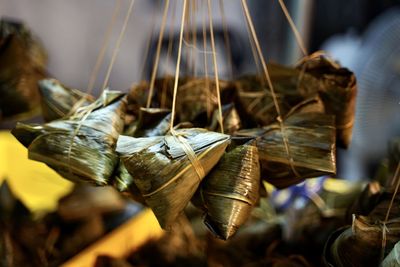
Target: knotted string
[(181, 140)]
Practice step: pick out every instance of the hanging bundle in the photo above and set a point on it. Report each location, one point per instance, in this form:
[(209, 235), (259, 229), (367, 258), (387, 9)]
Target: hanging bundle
[(311, 140), (79, 148), (316, 75), (22, 64), (337, 88), (229, 192), (58, 100), (164, 173), (294, 109), (310, 150)]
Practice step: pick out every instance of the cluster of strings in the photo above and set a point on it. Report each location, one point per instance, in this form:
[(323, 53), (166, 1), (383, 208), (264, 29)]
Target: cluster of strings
[(191, 10)]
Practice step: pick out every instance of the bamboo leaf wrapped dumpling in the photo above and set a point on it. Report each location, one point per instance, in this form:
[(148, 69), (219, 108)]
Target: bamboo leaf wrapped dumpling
[(231, 189), (58, 100), (311, 141), (79, 150), (337, 88), (310, 137), (163, 171)]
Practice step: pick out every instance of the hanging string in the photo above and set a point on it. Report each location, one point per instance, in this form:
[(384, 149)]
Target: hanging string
[(99, 60), (254, 52), (177, 69), (169, 55), (194, 36), (148, 44), (299, 40), (207, 82), (221, 122), (104, 46), (257, 100), (178, 138), (117, 46), (274, 96), (188, 52), (226, 37), (155, 67)]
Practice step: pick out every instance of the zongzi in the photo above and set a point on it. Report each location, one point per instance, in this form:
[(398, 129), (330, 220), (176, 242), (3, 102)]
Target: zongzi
[(337, 88), (79, 148), (163, 171), (315, 75), (231, 189), (310, 140)]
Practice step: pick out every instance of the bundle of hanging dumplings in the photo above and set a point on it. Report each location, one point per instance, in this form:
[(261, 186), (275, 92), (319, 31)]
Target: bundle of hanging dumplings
[(221, 173)]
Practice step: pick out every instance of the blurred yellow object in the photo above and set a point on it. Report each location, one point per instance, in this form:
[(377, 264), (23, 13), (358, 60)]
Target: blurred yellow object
[(38, 186), (341, 186), (122, 241)]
